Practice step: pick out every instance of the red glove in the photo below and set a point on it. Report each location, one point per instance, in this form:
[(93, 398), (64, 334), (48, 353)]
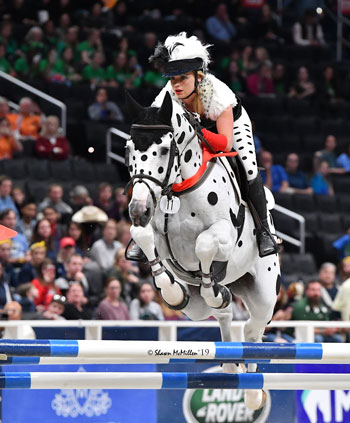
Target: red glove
[(218, 142)]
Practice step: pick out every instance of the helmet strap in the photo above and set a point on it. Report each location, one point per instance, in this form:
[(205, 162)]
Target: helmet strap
[(195, 85)]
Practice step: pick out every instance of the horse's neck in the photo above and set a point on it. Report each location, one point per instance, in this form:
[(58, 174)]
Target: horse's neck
[(189, 146)]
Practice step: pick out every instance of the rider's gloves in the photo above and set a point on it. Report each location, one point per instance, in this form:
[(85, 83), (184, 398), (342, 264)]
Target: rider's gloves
[(217, 141)]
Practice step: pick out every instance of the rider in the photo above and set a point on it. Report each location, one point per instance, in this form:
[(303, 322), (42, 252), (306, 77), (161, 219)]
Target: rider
[(185, 61)]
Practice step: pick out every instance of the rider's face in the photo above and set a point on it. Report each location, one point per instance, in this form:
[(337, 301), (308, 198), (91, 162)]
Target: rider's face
[(183, 84)]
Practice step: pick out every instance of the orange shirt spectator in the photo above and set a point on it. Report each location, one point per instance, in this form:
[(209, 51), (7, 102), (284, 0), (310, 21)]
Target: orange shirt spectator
[(8, 143), (25, 123)]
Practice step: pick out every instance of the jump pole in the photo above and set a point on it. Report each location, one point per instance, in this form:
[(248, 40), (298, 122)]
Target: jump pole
[(175, 350), (271, 381)]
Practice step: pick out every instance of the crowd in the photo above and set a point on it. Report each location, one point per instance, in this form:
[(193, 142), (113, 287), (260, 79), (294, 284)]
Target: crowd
[(67, 261)]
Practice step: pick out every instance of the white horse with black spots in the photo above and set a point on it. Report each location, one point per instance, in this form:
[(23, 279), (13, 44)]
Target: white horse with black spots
[(194, 227)]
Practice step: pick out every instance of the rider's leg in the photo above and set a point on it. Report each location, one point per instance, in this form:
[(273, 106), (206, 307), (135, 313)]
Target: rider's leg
[(135, 254), (243, 143)]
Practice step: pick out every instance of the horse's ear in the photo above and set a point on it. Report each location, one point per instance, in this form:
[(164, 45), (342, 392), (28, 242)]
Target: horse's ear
[(166, 110), (134, 108)]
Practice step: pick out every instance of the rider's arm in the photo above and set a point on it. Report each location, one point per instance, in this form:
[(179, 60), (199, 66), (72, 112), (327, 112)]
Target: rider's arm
[(224, 125)]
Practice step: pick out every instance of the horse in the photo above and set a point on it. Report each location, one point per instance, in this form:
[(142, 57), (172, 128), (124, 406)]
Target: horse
[(195, 228)]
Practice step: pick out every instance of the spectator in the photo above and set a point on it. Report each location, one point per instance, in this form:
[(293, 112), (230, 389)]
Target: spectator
[(70, 40), (7, 38), (328, 154), (63, 69), (87, 48), (246, 62), (8, 143), (146, 49), (13, 310), (235, 80), (267, 26), (153, 78), (27, 294), (343, 161), (43, 232), (123, 202), (302, 88), (75, 231), (308, 32), (104, 250), (280, 80), (4, 107), (326, 277), (135, 71), (344, 269), (19, 197), (219, 26), (45, 284), (5, 291), (328, 89), (57, 229), (67, 249), (26, 124), (112, 308), (106, 202), (79, 197), (144, 307), (6, 201), (123, 233), (94, 72), (51, 144), (54, 200), (91, 218), (19, 244), (56, 308), (312, 307), (298, 183), (77, 306), (273, 176), (342, 245), (320, 183), (117, 74), (104, 110), (74, 273), (7, 267), (261, 82), (30, 270)]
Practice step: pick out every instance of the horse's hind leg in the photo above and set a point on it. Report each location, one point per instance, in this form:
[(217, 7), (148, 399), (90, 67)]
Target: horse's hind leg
[(214, 244)]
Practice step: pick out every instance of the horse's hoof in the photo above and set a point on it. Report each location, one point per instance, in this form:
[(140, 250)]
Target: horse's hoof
[(231, 368), (255, 398)]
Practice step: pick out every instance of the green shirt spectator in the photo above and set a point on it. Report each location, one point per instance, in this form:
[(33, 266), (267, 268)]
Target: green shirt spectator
[(94, 72), (4, 64), (87, 48), (155, 78)]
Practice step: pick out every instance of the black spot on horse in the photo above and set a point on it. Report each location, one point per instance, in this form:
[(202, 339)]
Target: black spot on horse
[(195, 165), (223, 180), (241, 148), (159, 141), (133, 157), (150, 173), (190, 128), (251, 152), (160, 169), (214, 180), (142, 171), (239, 140), (130, 168), (269, 269), (278, 284), (254, 163), (193, 214), (244, 158), (188, 156), (181, 138), (178, 117), (240, 243), (144, 157), (154, 153), (212, 198), (254, 231), (175, 168), (250, 172)]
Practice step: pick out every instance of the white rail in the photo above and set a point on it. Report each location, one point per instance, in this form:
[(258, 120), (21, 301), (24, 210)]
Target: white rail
[(298, 242), (109, 153), (167, 330), (44, 96)]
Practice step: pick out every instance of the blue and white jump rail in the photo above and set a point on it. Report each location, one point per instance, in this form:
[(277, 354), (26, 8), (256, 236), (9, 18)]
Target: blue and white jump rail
[(156, 351), (163, 381)]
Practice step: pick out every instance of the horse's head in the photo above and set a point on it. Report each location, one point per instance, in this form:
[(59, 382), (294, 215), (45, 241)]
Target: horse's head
[(151, 156)]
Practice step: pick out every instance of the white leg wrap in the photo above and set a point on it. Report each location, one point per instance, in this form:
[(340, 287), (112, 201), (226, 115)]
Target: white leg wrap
[(209, 297), (171, 292)]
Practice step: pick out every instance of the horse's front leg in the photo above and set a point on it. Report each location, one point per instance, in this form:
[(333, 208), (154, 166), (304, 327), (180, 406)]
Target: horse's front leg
[(174, 294), (214, 244)]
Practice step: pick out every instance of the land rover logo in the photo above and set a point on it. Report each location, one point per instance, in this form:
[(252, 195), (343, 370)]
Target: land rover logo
[(221, 406)]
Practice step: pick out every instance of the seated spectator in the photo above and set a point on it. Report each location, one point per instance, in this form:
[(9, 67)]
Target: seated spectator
[(104, 249), (235, 79), (320, 183), (19, 244), (6, 201), (219, 26), (58, 229), (329, 91), (94, 73), (246, 62), (153, 78), (342, 245), (74, 273), (343, 161), (123, 202), (7, 267), (106, 202), (30, 270), (144, 307), (4, 107), (88, 47), (302, 88), (112, 307), (63, 69), (79, 197), (5, 289), (75, 231), (91, 218), (103, 110), (118, 73), (327, 278), (328, 154), (267, 26), (344, 269), (273, 176), (145, 49), (27, 293), (77, 306), (13, 311), (261, 82), (123, 233), (42, 232), (55, 200), (9, 144), (51, 144), (280, 80), (19, 198), (45, 284), (308, 31), (297, 180), (66, 250), (135, 71), (56, 308), (26, 124), (127, 273), (312, 307)]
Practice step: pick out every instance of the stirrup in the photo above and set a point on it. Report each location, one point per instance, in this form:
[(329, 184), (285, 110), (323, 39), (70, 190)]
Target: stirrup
[(264, 235)]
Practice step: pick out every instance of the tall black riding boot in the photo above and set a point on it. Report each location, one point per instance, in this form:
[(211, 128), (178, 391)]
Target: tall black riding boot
[(135, 253), (266, 242)]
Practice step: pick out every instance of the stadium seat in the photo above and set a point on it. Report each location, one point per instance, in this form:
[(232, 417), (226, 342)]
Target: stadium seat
[(61, 170), (326, 203), (15, 169), (305, 263), (38, 169), (84, 171), (284, 200), (107, 173), (304, 203), (330, 223)]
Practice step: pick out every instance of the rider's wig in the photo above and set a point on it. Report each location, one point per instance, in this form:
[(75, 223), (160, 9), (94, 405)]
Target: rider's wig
[(181, 54)]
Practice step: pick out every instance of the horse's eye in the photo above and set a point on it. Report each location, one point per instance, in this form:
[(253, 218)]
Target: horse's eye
[(164, 151)]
